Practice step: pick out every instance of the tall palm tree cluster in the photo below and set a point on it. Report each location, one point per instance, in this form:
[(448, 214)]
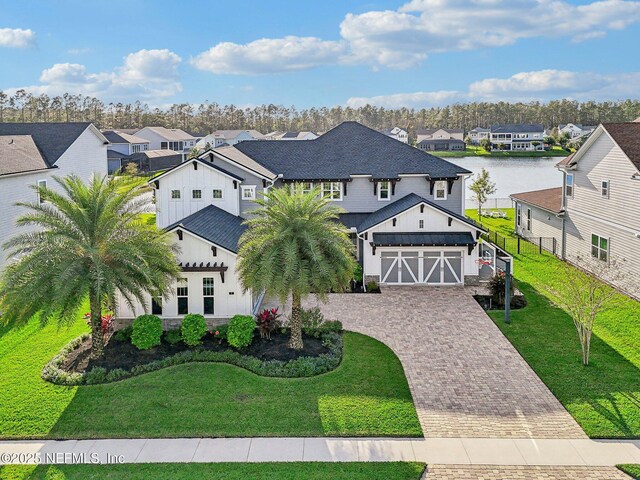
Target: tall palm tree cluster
[(86, 241), (22, 106)]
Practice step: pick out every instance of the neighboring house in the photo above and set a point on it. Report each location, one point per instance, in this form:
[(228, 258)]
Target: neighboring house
[(33, 153), (478, 134), (231, 137), (404, 209), (539, 214), (599, 202), (277, 135), (213, 140), (161, 138), (575, 130), (517, 137), (152, 160), (439, 134), (121, 145), (441, 145), (396, 133)]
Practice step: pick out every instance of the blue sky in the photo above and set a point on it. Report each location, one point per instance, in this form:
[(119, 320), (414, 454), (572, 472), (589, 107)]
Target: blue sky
[(309, 53)]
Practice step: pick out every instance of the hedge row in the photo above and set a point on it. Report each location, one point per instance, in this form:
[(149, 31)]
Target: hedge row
[(300, 367)]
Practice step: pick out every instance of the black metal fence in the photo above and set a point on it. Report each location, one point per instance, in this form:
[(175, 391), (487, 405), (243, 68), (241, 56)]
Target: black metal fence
[(515, 245)]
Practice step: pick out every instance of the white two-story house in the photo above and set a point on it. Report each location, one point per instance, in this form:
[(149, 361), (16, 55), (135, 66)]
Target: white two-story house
[(518, 137), (575, 130), (32, 154), (478, 134), (403, 207), (396, 133), (161, 138)]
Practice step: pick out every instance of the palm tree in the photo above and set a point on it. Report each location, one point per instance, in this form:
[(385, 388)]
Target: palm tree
[(89, 241), (294, 246)]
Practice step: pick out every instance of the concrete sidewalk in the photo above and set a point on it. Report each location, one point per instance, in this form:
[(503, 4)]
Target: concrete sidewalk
[(442, 451)]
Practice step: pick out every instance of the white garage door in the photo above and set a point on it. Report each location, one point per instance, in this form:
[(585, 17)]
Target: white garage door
[(433, 267)]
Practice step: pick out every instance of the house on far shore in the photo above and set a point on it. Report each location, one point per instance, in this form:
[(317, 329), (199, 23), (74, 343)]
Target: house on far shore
[(441, 145), (517, 137), (278, 135), (121, 145), (161, 138), (439, 134), (478, 134), (396, 133), (539, 214), (575, 130)]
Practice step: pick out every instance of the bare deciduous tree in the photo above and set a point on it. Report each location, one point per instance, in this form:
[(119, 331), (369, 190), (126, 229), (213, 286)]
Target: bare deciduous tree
[(583, 295)]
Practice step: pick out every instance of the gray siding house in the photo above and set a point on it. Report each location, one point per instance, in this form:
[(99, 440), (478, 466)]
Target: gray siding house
[(539, 214)]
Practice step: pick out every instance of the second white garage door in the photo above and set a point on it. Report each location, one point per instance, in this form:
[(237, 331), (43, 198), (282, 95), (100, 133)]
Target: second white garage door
[(433, 267)]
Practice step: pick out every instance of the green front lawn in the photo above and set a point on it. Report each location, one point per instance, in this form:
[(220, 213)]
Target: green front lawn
[(604, 397), (367, 395), (474, 151), (219, 471), (633, 470)]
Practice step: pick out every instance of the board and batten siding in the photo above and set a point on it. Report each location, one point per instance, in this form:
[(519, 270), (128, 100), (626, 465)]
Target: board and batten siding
[(615, 217), (408, 221), (229, 298), (543, 223), (186, 179), (85, 157)]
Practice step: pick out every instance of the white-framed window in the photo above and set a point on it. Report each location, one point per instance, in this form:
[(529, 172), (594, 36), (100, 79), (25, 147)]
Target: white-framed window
[(196, 194), (332, 190), (518, 215), (568, 185), (42, 184), (175, 194), (420, 224), (384, 191), (604, 188), (218, 194), (440, 190), (156, 306), (182, 293), (137, 147), (207, 295), (248, 192), (600, 247), (307, 187), (529, 219)]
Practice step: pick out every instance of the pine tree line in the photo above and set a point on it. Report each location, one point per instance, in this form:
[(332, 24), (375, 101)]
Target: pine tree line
[(208, 116)]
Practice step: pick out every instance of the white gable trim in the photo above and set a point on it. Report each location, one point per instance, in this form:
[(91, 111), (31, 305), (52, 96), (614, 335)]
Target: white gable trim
[(189, 162), (195, 235), (236, 164)]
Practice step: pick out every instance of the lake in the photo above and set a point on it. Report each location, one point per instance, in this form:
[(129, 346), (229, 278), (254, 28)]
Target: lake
[(513, 175)]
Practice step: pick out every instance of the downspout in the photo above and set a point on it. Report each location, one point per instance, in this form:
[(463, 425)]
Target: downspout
[(272, 182)]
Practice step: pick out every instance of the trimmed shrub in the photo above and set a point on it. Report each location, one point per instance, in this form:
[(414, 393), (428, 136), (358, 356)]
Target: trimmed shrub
[(240, 331), (172, 336), (300, 367), (124, 335), (314, 323), (147, 331), (220, 331), (193, 328)]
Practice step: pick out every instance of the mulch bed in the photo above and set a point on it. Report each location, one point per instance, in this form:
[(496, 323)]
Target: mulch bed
[(126, 356), (486, 302)]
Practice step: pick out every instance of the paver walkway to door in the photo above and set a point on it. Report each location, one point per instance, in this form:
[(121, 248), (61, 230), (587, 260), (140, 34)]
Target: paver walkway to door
[(466, 378)]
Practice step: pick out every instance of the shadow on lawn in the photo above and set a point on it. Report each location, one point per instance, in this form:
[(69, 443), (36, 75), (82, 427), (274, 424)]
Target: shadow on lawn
[(605, 392)]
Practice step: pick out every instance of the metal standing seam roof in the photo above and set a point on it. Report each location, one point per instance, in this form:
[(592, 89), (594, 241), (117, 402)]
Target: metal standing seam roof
[(348, 149), (352, 219), (433, 239), (214, 225), (403, 204)]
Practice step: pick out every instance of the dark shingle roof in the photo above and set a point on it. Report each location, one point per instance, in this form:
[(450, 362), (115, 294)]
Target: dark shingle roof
[(18, 153), (627, 136), (549, 199), (517, 128), (215, 225), (348, 149), (401, 205), (52, 139), (433, 239)]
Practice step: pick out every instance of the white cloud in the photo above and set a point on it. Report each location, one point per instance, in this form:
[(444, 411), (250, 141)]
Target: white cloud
[(525, 86), (404, 37), (269, 55), (17, 37), (144, 75)]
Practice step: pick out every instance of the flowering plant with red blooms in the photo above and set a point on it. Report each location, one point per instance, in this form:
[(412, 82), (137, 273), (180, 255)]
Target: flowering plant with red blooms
[(267, 322)]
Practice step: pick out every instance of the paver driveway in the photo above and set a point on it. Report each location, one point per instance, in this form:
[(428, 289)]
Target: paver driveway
[(466, 378)]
